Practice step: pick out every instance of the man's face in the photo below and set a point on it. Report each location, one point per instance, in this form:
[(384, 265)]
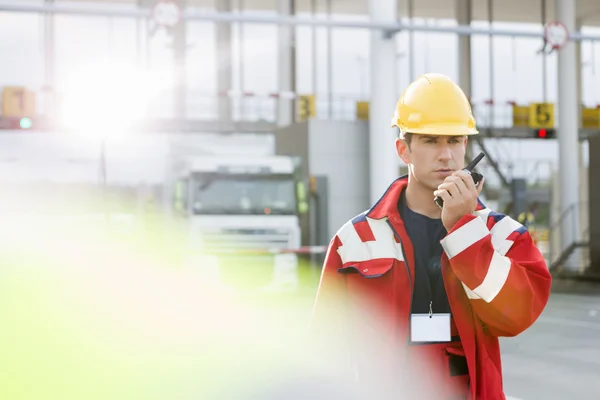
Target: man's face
[(432, 158)]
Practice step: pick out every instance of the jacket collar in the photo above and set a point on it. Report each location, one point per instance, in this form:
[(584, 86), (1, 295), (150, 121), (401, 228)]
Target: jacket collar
[(387, 205)]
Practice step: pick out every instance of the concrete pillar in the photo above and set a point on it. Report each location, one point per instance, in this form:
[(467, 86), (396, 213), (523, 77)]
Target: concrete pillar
[(411, 42), (224, 65), (49, 63), (584, 181), (179, 56), (241, 5), (544, 20), (138, 38), (383, 160), (594, 212), (568, 126), (463, 17), (315, 70), (578, 60), (287, 64), (329, 13)]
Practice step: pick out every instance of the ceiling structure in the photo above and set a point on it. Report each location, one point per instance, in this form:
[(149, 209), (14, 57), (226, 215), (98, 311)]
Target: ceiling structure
[(528, 11)]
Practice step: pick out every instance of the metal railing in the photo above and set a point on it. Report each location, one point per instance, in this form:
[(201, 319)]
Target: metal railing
[(200, 104), (496, 115), (202, 14), (556, 254), (253, 107)]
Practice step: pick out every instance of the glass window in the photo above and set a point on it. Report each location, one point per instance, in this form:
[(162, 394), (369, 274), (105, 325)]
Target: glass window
[(244, 194)]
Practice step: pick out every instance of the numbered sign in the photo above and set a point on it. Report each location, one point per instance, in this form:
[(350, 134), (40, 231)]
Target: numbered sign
[(541, 115), (17, 102), (520, 116), (590, 118), (362, 110), (306, 107)]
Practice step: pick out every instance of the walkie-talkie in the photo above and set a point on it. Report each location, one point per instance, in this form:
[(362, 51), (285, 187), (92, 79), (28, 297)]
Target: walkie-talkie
[(469, 168)]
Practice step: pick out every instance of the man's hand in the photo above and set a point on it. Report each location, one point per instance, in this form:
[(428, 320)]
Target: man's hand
[(460, 197)]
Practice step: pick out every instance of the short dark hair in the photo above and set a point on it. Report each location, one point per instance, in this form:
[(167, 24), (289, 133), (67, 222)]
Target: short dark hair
[(407, 136)]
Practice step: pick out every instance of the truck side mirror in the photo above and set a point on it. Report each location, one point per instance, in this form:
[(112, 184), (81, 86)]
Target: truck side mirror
[(301, 198)]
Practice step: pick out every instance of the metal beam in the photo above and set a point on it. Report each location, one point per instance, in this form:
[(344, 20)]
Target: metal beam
[(198, 15), (44, 123), (191, 126), (77, 10), (174, 125), (526, 133)]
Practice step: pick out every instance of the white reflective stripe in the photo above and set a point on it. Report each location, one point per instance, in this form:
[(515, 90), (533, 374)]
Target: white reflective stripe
[(483, 214), (503, 229), (462, 238), (384, 234), (499, 267), (494, 279), (354, 249), (500, 231), (470, 294)]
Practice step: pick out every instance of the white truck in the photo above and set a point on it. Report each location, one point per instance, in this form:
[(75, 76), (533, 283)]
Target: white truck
[(241, 212)]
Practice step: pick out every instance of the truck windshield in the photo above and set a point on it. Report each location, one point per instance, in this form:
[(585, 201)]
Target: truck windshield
[(244, 194)]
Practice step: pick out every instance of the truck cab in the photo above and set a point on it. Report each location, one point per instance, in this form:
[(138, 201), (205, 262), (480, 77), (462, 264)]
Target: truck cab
[(241, 213)]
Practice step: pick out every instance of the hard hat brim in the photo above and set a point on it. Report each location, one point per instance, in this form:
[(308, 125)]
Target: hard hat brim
[(439, 130)]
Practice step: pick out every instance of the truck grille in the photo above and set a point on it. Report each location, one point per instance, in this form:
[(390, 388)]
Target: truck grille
[(246, 239)]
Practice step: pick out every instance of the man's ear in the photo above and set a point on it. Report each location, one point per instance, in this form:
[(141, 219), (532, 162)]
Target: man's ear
[(402, 150)]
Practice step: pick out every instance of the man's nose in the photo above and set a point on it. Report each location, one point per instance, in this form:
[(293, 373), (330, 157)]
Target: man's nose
[(445, 153)]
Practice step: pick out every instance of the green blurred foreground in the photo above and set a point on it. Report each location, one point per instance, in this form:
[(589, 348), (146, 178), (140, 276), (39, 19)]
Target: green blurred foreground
[(93, 313), (90, 311)]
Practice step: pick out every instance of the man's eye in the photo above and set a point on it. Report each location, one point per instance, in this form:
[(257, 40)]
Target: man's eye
[(430, 141)]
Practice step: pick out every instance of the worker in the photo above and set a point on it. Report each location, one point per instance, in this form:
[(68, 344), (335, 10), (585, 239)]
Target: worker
[(416, 294)]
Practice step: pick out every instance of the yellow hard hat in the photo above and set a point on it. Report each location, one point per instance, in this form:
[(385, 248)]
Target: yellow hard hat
[(434, 105)]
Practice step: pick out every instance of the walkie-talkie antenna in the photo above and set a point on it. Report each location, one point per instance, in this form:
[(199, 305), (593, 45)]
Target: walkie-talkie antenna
[(475, 161)]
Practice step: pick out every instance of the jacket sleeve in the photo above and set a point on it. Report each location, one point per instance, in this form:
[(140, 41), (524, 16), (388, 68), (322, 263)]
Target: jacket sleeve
[(329, 309), (502, 271)]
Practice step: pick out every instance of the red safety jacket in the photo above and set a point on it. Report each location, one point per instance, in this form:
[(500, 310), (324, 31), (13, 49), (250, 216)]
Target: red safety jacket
[(496, 280)]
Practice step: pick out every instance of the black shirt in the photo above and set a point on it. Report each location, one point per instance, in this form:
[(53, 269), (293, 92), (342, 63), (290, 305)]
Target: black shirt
[(425, 234)]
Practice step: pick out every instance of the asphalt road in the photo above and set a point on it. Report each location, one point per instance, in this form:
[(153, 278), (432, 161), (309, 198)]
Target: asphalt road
[(559, 356)]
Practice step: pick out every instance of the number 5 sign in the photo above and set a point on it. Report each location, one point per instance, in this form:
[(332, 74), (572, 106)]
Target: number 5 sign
[(541, 115)]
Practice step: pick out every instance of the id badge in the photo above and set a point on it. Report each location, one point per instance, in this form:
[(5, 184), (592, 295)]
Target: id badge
[(430, 328)]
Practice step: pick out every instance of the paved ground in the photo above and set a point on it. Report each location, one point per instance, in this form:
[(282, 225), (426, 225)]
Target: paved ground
[(559, 357)]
